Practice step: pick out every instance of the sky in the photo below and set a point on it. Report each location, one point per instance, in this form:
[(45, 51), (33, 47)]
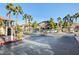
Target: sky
[(43, 11)]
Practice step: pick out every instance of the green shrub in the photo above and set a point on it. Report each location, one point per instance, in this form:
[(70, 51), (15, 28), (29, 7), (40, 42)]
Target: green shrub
[(20, 35)]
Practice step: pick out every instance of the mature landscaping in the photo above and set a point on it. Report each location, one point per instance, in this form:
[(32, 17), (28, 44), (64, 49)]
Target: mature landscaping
[(38, 38)]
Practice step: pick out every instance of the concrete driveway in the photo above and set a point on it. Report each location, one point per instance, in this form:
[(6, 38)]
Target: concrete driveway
[(43, 45)]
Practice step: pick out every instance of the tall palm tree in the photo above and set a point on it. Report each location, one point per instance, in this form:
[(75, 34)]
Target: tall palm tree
[(69, 20), (10, 8), (30, 18), (59, 23), (52, 23), (25, 17), (18, 10), (75, 16)]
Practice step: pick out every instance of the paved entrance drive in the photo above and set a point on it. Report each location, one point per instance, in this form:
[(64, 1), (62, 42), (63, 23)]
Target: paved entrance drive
[(43, 45)]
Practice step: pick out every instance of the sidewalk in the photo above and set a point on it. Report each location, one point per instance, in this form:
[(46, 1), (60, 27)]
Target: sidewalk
[(77, 38)]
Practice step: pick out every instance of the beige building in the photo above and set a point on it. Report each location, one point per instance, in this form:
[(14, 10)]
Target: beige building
[(7, 27)]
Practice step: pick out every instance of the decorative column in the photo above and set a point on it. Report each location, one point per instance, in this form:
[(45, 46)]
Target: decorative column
[(6, 31), (11, 34)]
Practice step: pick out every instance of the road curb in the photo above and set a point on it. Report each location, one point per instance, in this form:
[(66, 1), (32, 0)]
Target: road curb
[(77, 38)]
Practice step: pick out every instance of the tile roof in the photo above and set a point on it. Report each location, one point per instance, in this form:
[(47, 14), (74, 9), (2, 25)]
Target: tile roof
[(2, 18)]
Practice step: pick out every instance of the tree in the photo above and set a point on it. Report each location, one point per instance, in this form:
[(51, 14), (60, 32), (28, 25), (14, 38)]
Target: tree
[(18, 10), (35, 25), (1, 23), (19, 28), (30, 18), (75, 16), (51, 22), (55, 26), (68, 21), (65, 25), (25, 17), (10, 8), (59, 24), (2, 30)]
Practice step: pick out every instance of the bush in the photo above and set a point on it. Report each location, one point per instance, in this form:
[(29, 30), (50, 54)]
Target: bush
[(20, 35), (18, 28), (2, 31), (44, 33)]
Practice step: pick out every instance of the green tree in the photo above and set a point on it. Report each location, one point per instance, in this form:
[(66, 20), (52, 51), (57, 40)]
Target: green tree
[(30, 18), (35, 25), (68, 21), (65, 25), (25, 17), (18, 10), (51, 22), (55, 26), (10, 8), (75, 16), (59, 24), (19, 28), (1, 23)]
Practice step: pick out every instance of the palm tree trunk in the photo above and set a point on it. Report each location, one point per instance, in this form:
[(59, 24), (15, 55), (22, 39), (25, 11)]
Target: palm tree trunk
[(59, 28), (68, 29), (29, 25), (16, 19), (16, 22), (9, 16), (26, 22)]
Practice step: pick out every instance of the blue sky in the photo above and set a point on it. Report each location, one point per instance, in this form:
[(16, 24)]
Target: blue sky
[(43, 11)]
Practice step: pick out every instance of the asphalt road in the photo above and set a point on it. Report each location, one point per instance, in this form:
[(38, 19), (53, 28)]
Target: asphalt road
[(42, 45)]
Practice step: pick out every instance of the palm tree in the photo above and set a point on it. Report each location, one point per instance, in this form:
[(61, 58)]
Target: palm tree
[(75, 16), (25, 17), (10, 8), (18, 10), (30, 18), (51, 22), (35, 25), (59, 23), (69, 21)]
